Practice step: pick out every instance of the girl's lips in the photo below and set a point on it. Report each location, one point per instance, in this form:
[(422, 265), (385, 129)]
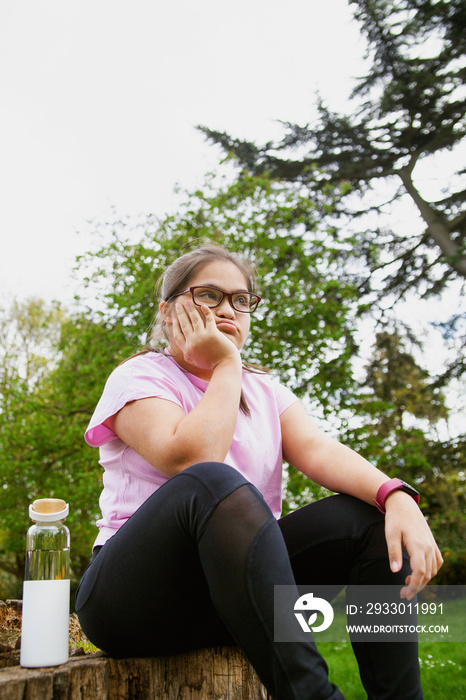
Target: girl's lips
[(227, 325)]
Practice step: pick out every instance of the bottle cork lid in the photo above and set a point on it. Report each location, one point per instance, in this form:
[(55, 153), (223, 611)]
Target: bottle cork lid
[(48, 509)]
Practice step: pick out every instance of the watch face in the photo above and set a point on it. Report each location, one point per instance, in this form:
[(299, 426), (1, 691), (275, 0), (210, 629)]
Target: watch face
[(408, 488)]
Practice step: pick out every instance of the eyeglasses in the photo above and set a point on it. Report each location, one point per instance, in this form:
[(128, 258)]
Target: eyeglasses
[(245, 302)]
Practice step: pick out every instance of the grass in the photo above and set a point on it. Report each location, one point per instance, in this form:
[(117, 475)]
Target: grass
[(442, 669), (87, 646), (443, 664)]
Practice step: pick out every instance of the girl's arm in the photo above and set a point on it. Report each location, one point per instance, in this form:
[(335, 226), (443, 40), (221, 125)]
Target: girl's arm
[(340, 469), (160, 431)]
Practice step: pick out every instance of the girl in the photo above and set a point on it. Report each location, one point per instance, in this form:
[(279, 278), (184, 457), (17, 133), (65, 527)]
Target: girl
[(191, 542)]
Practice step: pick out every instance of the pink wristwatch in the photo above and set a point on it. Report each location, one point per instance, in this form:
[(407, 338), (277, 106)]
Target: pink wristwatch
[(394, 485)]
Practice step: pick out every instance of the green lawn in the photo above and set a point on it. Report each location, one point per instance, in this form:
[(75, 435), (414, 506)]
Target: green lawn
[(443, 666)]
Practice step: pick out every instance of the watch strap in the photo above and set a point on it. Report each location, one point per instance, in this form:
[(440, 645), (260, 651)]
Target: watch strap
[(393, 485)]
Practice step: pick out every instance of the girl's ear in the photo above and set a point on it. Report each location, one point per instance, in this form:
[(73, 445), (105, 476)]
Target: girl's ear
[(164, 309)]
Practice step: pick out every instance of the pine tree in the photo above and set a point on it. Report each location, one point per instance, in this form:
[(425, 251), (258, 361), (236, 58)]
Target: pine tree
[(408, 109)]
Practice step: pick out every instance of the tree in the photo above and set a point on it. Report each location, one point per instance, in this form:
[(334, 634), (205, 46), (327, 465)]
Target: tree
[(408, 111), (29, 332), (398, 388), (53, 370)]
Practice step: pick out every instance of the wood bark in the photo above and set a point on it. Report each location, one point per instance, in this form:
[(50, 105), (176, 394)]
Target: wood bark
[(436, 227), (217, 674)]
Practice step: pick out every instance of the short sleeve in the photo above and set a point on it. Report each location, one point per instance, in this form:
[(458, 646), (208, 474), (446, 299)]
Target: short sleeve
[(284, 398), (138, 378)]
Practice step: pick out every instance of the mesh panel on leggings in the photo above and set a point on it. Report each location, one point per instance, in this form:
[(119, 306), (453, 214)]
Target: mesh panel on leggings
[(244, 556)]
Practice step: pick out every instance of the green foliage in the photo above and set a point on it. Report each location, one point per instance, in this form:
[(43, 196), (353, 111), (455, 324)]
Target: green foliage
[(29, 332), (304, 332), (54, 368), (396, 406), (397, 386)]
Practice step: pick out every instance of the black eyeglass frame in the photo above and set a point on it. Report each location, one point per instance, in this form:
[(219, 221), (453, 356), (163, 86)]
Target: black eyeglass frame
[(229, 295)]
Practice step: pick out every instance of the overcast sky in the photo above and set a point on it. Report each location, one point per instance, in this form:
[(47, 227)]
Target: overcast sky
[(99, 100)]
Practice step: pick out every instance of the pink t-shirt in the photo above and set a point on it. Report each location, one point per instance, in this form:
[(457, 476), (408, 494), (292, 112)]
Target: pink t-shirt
[(256, 449)]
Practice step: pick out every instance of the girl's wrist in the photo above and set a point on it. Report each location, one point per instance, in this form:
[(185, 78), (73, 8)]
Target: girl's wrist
[(397, 498), (232, 361)]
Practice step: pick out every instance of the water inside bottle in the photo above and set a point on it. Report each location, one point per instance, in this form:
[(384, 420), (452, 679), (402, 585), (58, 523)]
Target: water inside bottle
[(47, 565)]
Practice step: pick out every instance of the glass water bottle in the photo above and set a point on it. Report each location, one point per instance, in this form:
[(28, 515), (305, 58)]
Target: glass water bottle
[(46, 589)]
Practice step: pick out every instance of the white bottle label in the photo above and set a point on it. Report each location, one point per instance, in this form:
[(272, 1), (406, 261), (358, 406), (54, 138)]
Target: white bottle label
[(45, 623)]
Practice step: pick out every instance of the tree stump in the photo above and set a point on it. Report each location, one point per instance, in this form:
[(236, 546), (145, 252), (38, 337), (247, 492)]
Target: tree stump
[(217, 674), (206, 674)]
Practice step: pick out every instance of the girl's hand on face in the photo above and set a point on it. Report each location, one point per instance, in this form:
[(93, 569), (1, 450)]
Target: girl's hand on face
[(196, 334), (405, 526)]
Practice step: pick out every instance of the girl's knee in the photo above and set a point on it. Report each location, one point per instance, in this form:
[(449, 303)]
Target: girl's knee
[(217, 477)]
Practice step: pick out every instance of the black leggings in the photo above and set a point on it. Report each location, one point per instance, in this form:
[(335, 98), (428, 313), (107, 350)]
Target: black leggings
[(196, 566)]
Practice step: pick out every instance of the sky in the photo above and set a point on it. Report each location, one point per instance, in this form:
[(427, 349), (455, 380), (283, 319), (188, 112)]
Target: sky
[(100, 99)]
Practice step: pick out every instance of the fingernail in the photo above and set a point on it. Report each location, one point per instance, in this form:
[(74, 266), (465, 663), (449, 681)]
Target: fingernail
[(395, 566)]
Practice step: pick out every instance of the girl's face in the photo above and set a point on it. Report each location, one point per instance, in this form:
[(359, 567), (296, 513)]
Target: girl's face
[(223, 275)]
